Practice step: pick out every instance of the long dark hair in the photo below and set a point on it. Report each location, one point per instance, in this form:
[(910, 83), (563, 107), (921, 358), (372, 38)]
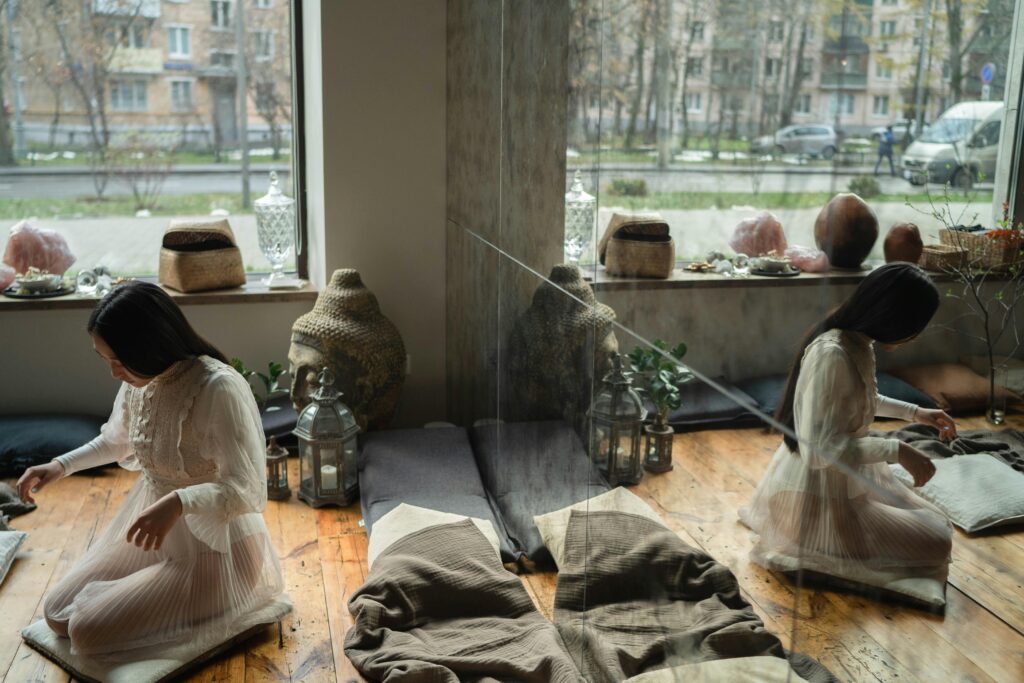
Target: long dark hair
[(893, 303), (146, 330)]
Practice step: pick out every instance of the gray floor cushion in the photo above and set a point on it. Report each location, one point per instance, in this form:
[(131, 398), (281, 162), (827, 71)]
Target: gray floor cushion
[(428, 468), (27, 440), (704, 407), (530, 469)]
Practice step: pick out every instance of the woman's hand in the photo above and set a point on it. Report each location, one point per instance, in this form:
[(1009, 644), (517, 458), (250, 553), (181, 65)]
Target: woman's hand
[(37, 477), (917, 463), (155, 522), (938, 419)]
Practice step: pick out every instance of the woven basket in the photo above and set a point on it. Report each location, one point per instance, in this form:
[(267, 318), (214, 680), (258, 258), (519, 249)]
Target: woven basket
[(942, 257), (197, 256), (637, 245), (983, 249)]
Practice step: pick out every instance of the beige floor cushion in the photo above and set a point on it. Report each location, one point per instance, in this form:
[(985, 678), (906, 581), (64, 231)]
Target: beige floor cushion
[(735, 670), (9, 543), (407, 519), (171, 664)]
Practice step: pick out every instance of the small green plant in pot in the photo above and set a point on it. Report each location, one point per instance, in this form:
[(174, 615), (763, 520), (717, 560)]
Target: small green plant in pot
[(658, 380), (268, 380)]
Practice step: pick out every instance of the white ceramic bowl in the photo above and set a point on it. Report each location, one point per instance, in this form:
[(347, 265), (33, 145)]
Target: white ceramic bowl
[(39, 283)]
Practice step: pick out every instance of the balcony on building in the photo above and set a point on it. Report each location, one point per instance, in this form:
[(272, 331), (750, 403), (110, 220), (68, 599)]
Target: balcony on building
[(147, 9), (840, 80), (136, 60)]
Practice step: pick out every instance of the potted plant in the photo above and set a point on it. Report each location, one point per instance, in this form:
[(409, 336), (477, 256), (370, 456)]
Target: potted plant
[(268, 380), (661, 373)]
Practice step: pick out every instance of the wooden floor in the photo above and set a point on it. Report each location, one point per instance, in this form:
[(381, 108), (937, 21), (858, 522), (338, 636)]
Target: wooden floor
[(323, 553)]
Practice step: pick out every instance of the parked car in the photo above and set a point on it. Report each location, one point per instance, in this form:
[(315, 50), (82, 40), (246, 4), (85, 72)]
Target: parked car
[(899, 130), (959, 148), (812, 139)]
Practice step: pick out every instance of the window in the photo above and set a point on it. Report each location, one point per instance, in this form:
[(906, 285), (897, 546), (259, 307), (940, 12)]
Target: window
[(179, 42), (771, 67), (695, 66), (128, 35), (222, 58), (776, 31), (946, 71), (693, 102), (883, 71), (181, 95), (807, 66), (220, 14), (263, 45), (843, 101), (803, 104), (887, 28), (889, 3), (881, 105), (263, 4), (128, 96), (697, 31)]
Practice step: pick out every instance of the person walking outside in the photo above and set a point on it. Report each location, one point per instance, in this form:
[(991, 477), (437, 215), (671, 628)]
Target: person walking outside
[(885, 143)]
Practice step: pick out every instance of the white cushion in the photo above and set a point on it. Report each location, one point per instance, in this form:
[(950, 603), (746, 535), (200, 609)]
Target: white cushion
[(172, 662), (9, 542), (408, 519), (735, 670), (975, 491), (928, 589), (553, 525)]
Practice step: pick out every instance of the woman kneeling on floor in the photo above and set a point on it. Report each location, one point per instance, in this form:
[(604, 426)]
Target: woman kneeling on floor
[(829, 501), (188, 552)]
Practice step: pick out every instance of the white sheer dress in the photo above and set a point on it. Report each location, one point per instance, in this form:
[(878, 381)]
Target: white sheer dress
[(835, 507), (194, 430)]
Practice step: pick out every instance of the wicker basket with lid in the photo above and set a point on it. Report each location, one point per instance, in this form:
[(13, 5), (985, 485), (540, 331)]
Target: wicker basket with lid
[(200, 255)]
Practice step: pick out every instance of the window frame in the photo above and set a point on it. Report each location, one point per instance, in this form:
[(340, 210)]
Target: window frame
[(187, 28), (191, 81), (228, 15), (119, 83), (271, 51), (876, 99)]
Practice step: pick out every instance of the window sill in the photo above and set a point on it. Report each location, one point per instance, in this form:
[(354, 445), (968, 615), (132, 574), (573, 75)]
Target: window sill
[(601, 281), (252, 292)]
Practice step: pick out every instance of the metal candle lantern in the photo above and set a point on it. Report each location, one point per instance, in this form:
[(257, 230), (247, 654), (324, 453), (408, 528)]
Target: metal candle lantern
[(580, 213), (275, 227), (616, 419), (277, 471), (327, 431), (658, 448)]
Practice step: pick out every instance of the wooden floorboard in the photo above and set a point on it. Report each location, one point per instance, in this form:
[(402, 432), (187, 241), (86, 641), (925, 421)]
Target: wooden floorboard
[(323, 557)]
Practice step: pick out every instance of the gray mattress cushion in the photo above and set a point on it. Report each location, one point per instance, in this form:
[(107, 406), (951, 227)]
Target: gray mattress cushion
[(430, 468), (530, 469)]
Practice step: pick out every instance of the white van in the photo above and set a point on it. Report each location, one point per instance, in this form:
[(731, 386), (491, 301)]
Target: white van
[(959, 148)]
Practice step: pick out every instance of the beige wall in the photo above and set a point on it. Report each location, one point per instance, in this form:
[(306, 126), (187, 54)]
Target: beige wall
[(381, 206)]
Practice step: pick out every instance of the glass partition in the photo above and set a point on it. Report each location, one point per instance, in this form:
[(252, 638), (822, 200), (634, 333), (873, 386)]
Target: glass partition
[(716, 330)]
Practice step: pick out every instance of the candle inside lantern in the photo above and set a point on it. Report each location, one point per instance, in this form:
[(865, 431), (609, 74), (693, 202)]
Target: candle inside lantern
[(329, 477)]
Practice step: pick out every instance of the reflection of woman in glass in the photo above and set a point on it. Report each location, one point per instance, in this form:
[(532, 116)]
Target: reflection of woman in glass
[(829, 498), (188, 552)]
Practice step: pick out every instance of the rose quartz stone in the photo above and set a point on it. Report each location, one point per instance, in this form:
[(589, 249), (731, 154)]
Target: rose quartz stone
[(758, 235), (808, 259), (6, 276), (44, 249)]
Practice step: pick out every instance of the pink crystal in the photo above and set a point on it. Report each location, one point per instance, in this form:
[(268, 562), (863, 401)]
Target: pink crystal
[(6, 276), (808, 259), (758, 235), (44, 249)]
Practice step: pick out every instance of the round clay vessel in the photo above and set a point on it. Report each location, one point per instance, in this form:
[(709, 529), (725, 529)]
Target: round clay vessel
[(846, 230), (903, 243)]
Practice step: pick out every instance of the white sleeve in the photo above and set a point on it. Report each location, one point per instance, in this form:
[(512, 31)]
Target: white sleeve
[(827, 388), (232, 437), (892, 407), (110, 446)]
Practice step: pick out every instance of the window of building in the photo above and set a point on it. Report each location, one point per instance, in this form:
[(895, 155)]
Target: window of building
[(889, 3), (220, 14), (128, 96), (807, 66), (844, 102), (222, 58), (179, 42), (803, 104), (263, 45), (131, 34), (263, 4), (693, 102), (887, 28), (695, 66), (771, 67), (880, 106), (776, 31), (181, 95), (697, 31), (883, 71)]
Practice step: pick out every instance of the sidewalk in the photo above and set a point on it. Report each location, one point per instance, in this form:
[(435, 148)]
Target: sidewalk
[(197, 169)]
